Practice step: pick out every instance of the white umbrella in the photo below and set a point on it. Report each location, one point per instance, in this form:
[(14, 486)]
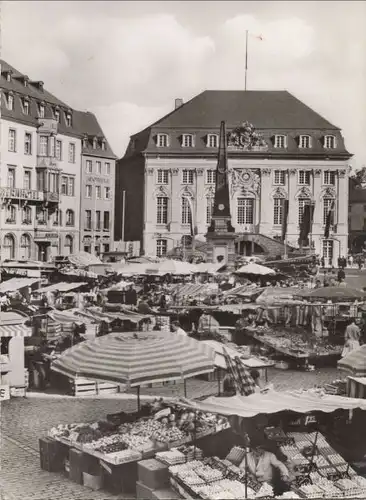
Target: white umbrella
[(175, 267), (255, 269)]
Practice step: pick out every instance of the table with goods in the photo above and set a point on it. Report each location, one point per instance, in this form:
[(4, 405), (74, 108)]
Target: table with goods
[(127, 438), (294, 342), (318, 471)]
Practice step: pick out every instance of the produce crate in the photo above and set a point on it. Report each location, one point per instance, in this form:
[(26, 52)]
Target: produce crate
[(120, 478), (18, 392), (143, 492), (76, 465), (165, 494), (93, 482), (52, 455), (106, 388), (153, 473), (82, 387)]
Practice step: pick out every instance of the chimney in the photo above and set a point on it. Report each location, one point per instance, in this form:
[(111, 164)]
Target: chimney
[(178, 103)]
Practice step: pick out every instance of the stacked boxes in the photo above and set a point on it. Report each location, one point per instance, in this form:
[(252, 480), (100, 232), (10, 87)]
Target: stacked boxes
[(52, 455), (153, 481)]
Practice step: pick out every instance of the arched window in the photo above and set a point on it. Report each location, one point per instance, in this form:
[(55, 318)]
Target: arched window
[(70, 218), (186, 211), (27, 215), (11, 214), (9, 247), (25, 246), (68, 245)]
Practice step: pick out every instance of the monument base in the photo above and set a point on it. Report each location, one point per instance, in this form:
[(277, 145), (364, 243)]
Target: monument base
[(221, 248)]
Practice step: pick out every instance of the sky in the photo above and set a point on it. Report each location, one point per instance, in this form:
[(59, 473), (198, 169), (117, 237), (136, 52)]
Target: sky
[(128, 61)]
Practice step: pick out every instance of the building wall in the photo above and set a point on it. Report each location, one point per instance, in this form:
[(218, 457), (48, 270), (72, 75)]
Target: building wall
[(97, 240), (249, 178), (22, 162), (357, 217)]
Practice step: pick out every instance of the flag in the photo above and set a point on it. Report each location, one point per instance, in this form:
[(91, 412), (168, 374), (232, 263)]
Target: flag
[(193, 229), (307, 222), (285, 219), (329, 220)]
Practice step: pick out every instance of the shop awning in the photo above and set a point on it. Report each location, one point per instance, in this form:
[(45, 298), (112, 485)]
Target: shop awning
[(15, 284), (274, 402), (61, 287), (64, 317), (15, 331), (83, 259)]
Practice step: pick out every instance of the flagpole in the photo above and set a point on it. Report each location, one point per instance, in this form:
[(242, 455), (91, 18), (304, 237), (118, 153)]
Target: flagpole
[(246, 59)]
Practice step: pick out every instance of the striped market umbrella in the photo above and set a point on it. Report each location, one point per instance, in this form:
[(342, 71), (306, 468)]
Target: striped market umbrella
[(136, 359), (354, 363)]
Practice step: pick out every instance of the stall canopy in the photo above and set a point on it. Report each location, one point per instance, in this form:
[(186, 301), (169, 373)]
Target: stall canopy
[(175, 267), (83, 259), (334, 292), (61, 287), (136, 358), (354, 363), (208, 267), (15, 331), (274, 402), (15, 284), (278, 295), (257, 269)]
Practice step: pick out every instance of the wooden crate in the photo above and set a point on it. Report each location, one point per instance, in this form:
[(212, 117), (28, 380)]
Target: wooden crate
[(107, 388), (83, 387)]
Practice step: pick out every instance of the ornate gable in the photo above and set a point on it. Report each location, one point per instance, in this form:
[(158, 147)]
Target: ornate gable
[(304, 192), (161, 191), (329, 192), (246, 138), (279, 192)]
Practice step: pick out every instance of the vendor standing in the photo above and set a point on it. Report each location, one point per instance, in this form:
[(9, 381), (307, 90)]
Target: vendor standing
[(351, 337)]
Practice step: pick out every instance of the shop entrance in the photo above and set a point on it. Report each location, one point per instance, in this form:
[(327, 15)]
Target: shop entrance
[(43, 251), (328, 252)]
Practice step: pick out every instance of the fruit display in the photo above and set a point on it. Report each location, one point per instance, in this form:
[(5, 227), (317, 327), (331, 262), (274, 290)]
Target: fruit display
[(288, 495), (311, 491), (181, 468), (171, 457), (236, 488), (329, 489), (320, 461), (190, 478), (191, 453), (265, 491), (208, 474), (336, 459)]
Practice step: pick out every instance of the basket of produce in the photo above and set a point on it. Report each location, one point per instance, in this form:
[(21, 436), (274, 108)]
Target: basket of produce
[(282, 365)]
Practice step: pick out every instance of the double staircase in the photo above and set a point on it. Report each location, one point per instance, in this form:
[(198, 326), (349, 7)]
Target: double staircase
[(270, 246)]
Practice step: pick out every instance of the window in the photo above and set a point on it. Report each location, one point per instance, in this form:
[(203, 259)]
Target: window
[(211, 176), (162, 210), (245, 211), (57, 218), (71, 187), (301, 205), (107, 168), (11, 213), (304, 177), (280, 141), (89, 167), (162, 141), (71, 152), (88, 191), (11, 177), (27, 215), (329, 178), (25, 246), (99, 167), (97, 220), (27, 180), (305, 141), (10, 102), (12, 139), (43, 145), (209, 208), (28, 144), (9, 247), (41, 110), (53, 182), (68, 120), (41, 215), (58, 150), (107, 193), (329, 142), (328, 209), (51, 143), (161, 247), (187, 141), (98, 192), (68, 245), (279, 177), (328, 252), (106, 221), (88, 219), (163, 176), (70, 218), (25, 106), (103, 145), (64, 184), (188, 176), (57, 115), (186, 211), (212, 141), (278, 211)]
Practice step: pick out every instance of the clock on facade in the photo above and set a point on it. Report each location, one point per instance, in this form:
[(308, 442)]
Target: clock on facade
[(221, 207)]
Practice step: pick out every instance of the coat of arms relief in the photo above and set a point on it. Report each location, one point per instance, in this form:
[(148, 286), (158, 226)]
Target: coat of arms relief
[(245, 181), (246, 138)]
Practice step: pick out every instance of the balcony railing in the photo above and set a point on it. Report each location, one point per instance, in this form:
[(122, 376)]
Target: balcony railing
[(21, 194)]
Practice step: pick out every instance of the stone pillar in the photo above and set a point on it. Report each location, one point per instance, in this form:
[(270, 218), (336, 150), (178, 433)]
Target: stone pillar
[(175, 202), (292, 224), (265, 207), (200, 202), (342, 210), (318, 230)]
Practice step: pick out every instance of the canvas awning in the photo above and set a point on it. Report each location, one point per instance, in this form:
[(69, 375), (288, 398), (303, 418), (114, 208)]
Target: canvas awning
[(274, 402), (61, 287), (15, 284), (15, 331)]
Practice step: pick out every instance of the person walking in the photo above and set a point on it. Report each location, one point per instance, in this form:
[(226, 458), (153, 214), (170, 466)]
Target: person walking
[(351, 337)]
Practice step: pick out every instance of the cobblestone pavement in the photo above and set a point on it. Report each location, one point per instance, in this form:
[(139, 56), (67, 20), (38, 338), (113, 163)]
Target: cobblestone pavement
[(25, 420)]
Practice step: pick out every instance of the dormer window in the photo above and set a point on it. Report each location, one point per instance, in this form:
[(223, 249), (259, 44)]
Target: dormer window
[(212, 141), (103, 145), (85, 142), (280, 141), (329, 142), (41, 110), (57, 115), (162, 140), (305, 141), (95, 143), (25, 81), (10, 101), (187, 141), (68, 119), (7, 75), (25, 106)]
